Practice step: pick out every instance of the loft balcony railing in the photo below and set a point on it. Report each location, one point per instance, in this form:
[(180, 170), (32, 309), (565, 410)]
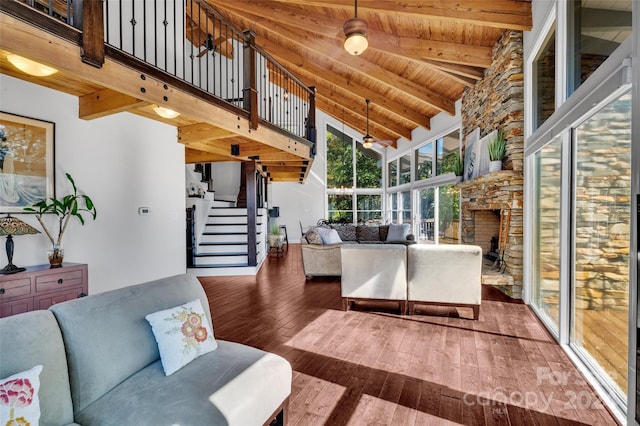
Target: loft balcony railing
[(192, 44)]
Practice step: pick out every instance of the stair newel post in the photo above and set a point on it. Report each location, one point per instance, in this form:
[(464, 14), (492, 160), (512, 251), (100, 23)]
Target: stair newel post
[(249, 170), (250, 92), (191, 236), (311, 120)]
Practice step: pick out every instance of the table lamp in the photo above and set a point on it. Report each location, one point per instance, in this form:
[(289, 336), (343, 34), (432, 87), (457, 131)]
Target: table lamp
[(11, 226)]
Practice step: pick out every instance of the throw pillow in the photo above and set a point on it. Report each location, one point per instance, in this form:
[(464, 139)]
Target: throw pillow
[(368, 233), (312, 236), (398, 231), (346, 232), (183, 333), (384, 230), (19, 403), (329, 235)]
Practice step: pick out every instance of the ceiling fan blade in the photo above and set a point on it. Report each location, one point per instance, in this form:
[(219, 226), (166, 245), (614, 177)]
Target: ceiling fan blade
[(384, 142), (202, 53)]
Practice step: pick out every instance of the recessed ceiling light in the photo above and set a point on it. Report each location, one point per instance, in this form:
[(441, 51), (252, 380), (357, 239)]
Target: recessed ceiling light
[(30, 67), (165, 112)]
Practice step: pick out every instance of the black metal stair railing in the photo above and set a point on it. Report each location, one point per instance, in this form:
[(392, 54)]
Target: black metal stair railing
[(193, 43)]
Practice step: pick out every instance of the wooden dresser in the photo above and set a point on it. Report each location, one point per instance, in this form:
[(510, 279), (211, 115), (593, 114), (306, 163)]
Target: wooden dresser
[(42, 286)]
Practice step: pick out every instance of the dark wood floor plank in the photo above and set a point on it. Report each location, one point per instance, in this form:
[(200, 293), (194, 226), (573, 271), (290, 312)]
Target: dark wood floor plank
[(372, 365)]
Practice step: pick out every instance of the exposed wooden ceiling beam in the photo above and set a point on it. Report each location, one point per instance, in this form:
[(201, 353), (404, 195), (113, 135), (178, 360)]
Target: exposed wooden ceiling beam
[(356, 121), (506, 14), (472, 73), (357, 105), (202, 132), (327, 81), (192, 156), (335, 53), (106, 102), (379, 41)]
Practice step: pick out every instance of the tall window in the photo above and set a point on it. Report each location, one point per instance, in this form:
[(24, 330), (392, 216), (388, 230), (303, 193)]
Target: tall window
[(546, 232), (544, 71), (354, 180), (602, 193), (430, 163), (424, 161), (405, 169), (595, 30)]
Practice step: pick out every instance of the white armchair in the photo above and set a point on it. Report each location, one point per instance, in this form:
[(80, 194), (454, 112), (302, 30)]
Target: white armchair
[(444, 275), (374, 271)]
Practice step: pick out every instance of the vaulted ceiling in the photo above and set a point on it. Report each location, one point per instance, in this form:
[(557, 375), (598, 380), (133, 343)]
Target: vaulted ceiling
[(422, 54)]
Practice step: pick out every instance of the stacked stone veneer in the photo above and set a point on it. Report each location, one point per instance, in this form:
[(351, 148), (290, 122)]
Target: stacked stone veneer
[(497, 102)]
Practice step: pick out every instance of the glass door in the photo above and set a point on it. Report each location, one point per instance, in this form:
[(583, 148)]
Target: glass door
[(547, 233), (601, 242), (425, 220)]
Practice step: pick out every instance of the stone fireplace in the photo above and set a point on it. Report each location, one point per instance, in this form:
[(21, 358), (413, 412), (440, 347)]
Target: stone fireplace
[(496, 103), (481, 203)]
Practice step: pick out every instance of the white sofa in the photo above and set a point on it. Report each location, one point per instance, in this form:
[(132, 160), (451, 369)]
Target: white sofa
[(374, 271), (444, 275), (413, 275)]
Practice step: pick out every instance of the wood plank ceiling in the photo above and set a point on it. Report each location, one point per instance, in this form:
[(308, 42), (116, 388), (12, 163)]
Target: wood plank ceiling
[(422, 54)]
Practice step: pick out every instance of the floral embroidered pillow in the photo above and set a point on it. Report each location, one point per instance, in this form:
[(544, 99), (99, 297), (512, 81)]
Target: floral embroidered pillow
[(19, 403), (183, 333)]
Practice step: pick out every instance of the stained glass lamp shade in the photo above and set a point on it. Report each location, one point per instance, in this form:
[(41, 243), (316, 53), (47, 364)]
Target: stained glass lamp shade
[(11, 226)]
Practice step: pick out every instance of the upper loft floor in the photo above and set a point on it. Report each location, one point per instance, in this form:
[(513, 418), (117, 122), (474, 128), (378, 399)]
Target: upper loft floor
[(174, 61)]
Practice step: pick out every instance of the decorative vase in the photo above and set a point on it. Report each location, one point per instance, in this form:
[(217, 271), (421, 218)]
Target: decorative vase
[(55, 255), (494, 166), (274, 240)]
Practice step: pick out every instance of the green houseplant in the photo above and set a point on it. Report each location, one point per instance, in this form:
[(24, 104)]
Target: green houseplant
[(70, 205), (497, 149), (275, 238)]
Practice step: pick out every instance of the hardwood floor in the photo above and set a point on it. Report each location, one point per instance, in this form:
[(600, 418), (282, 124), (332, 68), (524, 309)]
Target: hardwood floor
[(373, 366)]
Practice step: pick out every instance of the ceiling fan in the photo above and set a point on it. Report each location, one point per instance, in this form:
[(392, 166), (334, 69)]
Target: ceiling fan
[(368, 140), (209, 46)]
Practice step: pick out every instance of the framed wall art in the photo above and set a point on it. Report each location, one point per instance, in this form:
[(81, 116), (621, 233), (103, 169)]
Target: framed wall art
[(471, 154), (27, 164)]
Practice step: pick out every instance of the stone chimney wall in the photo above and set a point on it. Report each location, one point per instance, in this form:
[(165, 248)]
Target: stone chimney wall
[(497, 102)]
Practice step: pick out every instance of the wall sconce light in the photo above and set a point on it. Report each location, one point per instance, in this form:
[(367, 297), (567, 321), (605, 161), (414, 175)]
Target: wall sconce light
[(30, 67), (355, 31), (165, 112)]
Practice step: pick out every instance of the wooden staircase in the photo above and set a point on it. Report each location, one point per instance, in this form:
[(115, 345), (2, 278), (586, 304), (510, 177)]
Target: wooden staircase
[(222, 248)]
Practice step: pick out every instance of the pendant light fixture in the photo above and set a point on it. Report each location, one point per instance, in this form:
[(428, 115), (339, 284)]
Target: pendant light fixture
[(367, 141), (355, 31)]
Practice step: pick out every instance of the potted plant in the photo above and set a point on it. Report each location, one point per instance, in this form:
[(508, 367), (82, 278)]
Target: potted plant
[(70, 205), (275, 238), (497, 149)]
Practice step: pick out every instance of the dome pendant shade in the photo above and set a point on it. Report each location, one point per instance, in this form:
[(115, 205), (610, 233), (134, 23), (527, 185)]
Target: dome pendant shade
[(367, 141), (355, 30)]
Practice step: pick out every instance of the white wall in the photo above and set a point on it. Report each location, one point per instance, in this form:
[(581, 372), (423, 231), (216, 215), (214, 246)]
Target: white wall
[(123, 162), (226, 180), (307, 202)]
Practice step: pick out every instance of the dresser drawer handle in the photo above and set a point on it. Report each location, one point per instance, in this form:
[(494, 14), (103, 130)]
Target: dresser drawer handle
[(60, 281), (1, 290)]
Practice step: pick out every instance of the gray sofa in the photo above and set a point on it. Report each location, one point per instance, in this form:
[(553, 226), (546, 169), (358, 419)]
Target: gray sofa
[(324, 259), (101, 364)]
